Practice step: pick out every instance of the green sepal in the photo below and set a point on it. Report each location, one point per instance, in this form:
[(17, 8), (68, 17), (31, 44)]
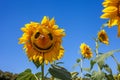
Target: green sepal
[(78, 60), (37, 64)]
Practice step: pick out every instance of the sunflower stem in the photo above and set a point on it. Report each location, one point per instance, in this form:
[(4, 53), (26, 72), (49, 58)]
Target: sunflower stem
[(81, 69), (97, 45), (42, 68), (97, 53)]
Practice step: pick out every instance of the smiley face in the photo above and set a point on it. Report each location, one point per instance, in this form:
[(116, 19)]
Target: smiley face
[(42, 40)]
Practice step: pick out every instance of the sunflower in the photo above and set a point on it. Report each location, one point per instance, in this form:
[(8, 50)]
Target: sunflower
[(103, 37), (42, 41), (112, 11), (86, 51)]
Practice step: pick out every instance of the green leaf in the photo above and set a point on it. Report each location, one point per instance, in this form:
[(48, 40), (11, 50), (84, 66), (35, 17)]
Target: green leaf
[(100, 59), (88, 75), (92, 62), (118, 67), (107, 68), (101, 64), (59, 72), (98, 75), (26, 75), (105, 55), (109, 77), (59, 63), (74, 74), (38, 75)]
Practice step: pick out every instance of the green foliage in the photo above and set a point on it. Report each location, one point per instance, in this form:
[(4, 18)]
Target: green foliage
[(98, 75), (109, 76), (107, 68), (27, 75), (7, 76), (118, 67), (92, 62), (101, 58), (38, 75), (74, 75), (78, 60), (59, 72), (37, 64)]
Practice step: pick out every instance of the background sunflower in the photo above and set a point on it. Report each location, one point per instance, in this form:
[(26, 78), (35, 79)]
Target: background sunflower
[(86, 51), (112, 12)]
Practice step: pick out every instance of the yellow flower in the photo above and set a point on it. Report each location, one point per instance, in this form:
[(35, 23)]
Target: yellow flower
[(112, 11), (42, 41), (86, 51), (103, 37)]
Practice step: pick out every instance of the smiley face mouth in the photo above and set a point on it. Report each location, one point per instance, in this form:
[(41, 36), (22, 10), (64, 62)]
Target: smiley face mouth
[(48, 48)]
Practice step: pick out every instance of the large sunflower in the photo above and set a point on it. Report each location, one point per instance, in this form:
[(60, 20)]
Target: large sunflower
[(42, 41), (86, 51), (112, 11), (103, 37)]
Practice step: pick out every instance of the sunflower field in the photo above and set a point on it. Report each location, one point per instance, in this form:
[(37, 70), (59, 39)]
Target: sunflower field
[(42, 43)]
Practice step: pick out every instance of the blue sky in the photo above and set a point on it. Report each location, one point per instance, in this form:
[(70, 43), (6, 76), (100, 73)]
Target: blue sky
[(80, 19)]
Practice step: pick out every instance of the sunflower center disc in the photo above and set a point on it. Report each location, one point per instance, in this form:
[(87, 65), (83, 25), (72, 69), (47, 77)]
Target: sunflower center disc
[(43, 42)]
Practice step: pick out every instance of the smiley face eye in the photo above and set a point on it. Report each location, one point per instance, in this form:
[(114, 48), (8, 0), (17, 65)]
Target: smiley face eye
[(50, 36), (37, 35)]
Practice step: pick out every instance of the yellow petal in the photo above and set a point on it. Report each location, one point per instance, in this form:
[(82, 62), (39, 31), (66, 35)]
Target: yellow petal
[(59, 32), (55, 26), (112, 22), (105, 15), (52, 22), (110, 3), (45, 20), (46, 61), (119, 30), (40, 59), (110, 9), (23, 39)]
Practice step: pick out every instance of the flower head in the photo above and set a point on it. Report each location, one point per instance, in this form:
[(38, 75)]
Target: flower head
[(42, 41), (103, 37), (112, 11), (86, 51)]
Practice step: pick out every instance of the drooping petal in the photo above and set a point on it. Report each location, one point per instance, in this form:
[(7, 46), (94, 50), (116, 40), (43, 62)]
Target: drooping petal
[(110, 9), (105, 16)]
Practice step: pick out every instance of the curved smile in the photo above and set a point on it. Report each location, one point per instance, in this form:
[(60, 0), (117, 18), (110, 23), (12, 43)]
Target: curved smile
[(43, 48)]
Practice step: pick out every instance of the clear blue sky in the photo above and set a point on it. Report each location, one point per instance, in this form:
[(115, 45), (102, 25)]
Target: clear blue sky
[(80, 19)]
